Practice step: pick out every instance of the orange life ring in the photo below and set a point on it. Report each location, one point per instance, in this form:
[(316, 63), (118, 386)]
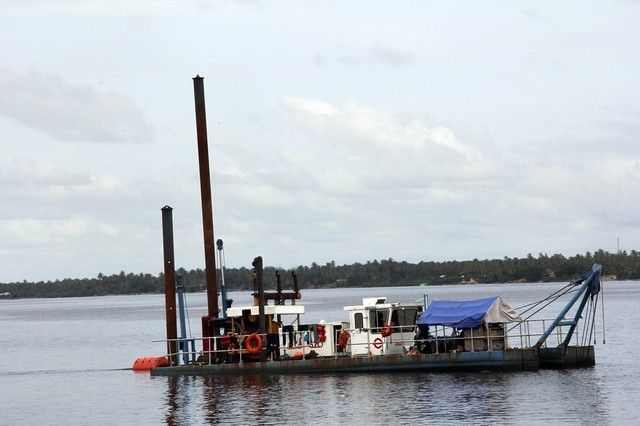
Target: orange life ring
[(386, 331), (253, 343), (377, 343)]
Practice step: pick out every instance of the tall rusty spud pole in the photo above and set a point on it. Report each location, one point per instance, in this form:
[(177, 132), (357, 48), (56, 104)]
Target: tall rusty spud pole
[(205, 194)]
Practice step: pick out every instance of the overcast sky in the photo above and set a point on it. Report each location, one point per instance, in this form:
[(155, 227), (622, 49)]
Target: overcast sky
[(338, 130)]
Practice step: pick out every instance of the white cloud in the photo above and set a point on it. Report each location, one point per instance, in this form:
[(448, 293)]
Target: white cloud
[(310, 106), (389, 56), (69, 112)]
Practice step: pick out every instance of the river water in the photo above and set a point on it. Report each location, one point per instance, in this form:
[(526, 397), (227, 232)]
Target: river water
[(68, 361)]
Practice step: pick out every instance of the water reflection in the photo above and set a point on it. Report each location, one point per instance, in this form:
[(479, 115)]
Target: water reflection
[(480, 398), (171, 418)]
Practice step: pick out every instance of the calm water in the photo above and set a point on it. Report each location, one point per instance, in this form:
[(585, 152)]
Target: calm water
[(67, 361)]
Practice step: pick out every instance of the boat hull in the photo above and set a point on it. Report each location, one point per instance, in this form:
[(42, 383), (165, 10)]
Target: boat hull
[(573, 357), (508, 360)]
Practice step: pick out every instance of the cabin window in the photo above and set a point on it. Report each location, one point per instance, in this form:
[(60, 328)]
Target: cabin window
[(404, 320), (357, 320), (378, 318)]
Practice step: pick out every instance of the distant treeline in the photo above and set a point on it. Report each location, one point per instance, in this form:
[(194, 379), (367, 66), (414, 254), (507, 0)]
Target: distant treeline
[(376, 273)]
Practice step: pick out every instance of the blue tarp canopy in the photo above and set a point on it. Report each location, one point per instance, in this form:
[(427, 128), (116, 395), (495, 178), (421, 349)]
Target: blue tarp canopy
[(468, 313)]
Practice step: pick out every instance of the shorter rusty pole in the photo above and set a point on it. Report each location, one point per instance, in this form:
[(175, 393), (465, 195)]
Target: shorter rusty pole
[(169, 284), (258, 268)]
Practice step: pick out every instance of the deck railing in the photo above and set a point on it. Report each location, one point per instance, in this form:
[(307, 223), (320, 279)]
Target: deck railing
[(441, 339)]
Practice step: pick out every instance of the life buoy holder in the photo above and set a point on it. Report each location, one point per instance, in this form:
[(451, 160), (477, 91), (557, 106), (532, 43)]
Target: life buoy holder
[(343, 339), (377, 343), (322, 333), (253, 343), (233, 349), (386, 331)]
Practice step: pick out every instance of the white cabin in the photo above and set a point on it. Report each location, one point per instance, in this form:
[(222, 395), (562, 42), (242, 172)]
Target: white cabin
[(373, 328), (381, 328)]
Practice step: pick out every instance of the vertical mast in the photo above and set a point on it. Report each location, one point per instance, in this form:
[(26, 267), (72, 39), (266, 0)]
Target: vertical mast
[(205, 193)]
